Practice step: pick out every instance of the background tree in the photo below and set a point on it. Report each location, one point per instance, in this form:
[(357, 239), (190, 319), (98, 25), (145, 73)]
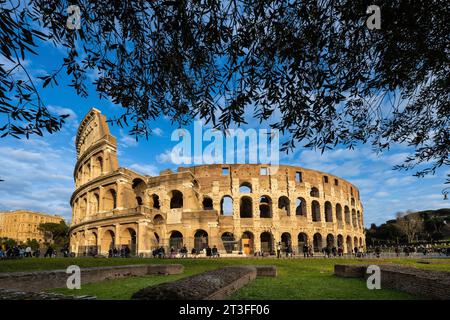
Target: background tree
[(33, 244), (409, 224), (8, 241), (55, 233), (314, 66)]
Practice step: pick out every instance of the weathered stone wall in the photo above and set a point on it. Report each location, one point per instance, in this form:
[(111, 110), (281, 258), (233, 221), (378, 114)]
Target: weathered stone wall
[(418, 282), (23, 295), (212, 285), (42, 280)]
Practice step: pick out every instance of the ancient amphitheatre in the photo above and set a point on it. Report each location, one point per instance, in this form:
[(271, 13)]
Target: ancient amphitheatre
[(241, 209)]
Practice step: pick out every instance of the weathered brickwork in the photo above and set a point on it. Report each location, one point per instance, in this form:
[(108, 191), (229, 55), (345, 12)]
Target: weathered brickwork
[(418, 282), (42, 280), (241, 209)]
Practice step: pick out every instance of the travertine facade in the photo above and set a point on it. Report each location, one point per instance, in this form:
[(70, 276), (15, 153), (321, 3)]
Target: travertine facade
[(21, 225), (238, 208)]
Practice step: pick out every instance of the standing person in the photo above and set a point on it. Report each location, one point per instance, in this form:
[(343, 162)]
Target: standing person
[(194, 252), (173, 252), (28, 252), (279, 250), (305, 251), (310, 251), (340, 251), (208, 251), (49, 252), (334, 251), (215, 253)]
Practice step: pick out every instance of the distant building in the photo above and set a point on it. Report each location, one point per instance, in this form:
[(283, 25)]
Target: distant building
[(21, 225)]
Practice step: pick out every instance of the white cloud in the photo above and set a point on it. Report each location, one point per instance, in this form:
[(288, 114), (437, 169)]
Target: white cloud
[(146, 169)]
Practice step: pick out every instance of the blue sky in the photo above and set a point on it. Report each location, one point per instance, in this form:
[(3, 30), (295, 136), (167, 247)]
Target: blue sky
[(38, 172)]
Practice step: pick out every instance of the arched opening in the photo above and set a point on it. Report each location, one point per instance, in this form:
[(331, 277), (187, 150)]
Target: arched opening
[(245, 187), (284, 204), (156, 238), (265, 207), (246, 207), (110, 200), (360, 242), (176, 240), (158, 219), (207, 203), (315, 209), (176, 199), (266, 243), (317, 242), (95, 204), (340, 241), (355, 241), (300, 207), (139, 201), (155, 201), (328, 212), (286, 240), (229, 242), (200, 240), (247, 243), (330, 240), (352, 201), (99, 165), (349, 244), (226, 206), (360, 225), (347, 215), (128, 240), (302, 241), (314, 192), (139, 187), (354, 222), (108, 240), (338, 212)]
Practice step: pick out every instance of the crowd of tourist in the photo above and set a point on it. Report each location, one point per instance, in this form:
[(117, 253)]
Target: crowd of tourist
[(123, 252), (22, 251), (209, 252)]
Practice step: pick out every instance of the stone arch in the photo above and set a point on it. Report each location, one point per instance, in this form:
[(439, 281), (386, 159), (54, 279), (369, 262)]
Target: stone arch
[(284, 204), (228, 241), (98, 166), (286, 240), (176, 199), (359, 217), (352, 202), (338, 212), (226, 206), (330, 240), (200, 240), (248, 241), (302, 239), (139, 186), (300, 207), (245, 187), (128, 238), (207, 203), (154, 201), (176, 239), (158, 219), (354, 222), (347, 214), (266, 242), (110, 200), (317, 242), (355, 241), (246, 207), (328, 212), (108, 240), (95, 203), (348, 243), (83, 208), (340, 241), (314, 192), (265, 207), (360, 242), (315, 211)]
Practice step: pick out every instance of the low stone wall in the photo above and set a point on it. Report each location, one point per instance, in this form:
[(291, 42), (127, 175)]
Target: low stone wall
[(211, 285), (266, 271), (42, 280), (350, 270), (22, 295), (426, 284)]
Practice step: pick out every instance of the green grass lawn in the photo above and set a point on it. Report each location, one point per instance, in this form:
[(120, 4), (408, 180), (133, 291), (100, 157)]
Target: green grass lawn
[(297, 278)]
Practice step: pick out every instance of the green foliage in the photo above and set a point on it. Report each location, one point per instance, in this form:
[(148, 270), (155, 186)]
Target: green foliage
[(314, 65), (56, 233), (33, 244), (8, 241)]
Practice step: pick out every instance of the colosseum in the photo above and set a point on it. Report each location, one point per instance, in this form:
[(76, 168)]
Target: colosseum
[(242, 209)]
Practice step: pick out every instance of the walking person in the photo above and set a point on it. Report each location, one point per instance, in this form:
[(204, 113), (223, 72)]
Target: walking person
[(279, 250)]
